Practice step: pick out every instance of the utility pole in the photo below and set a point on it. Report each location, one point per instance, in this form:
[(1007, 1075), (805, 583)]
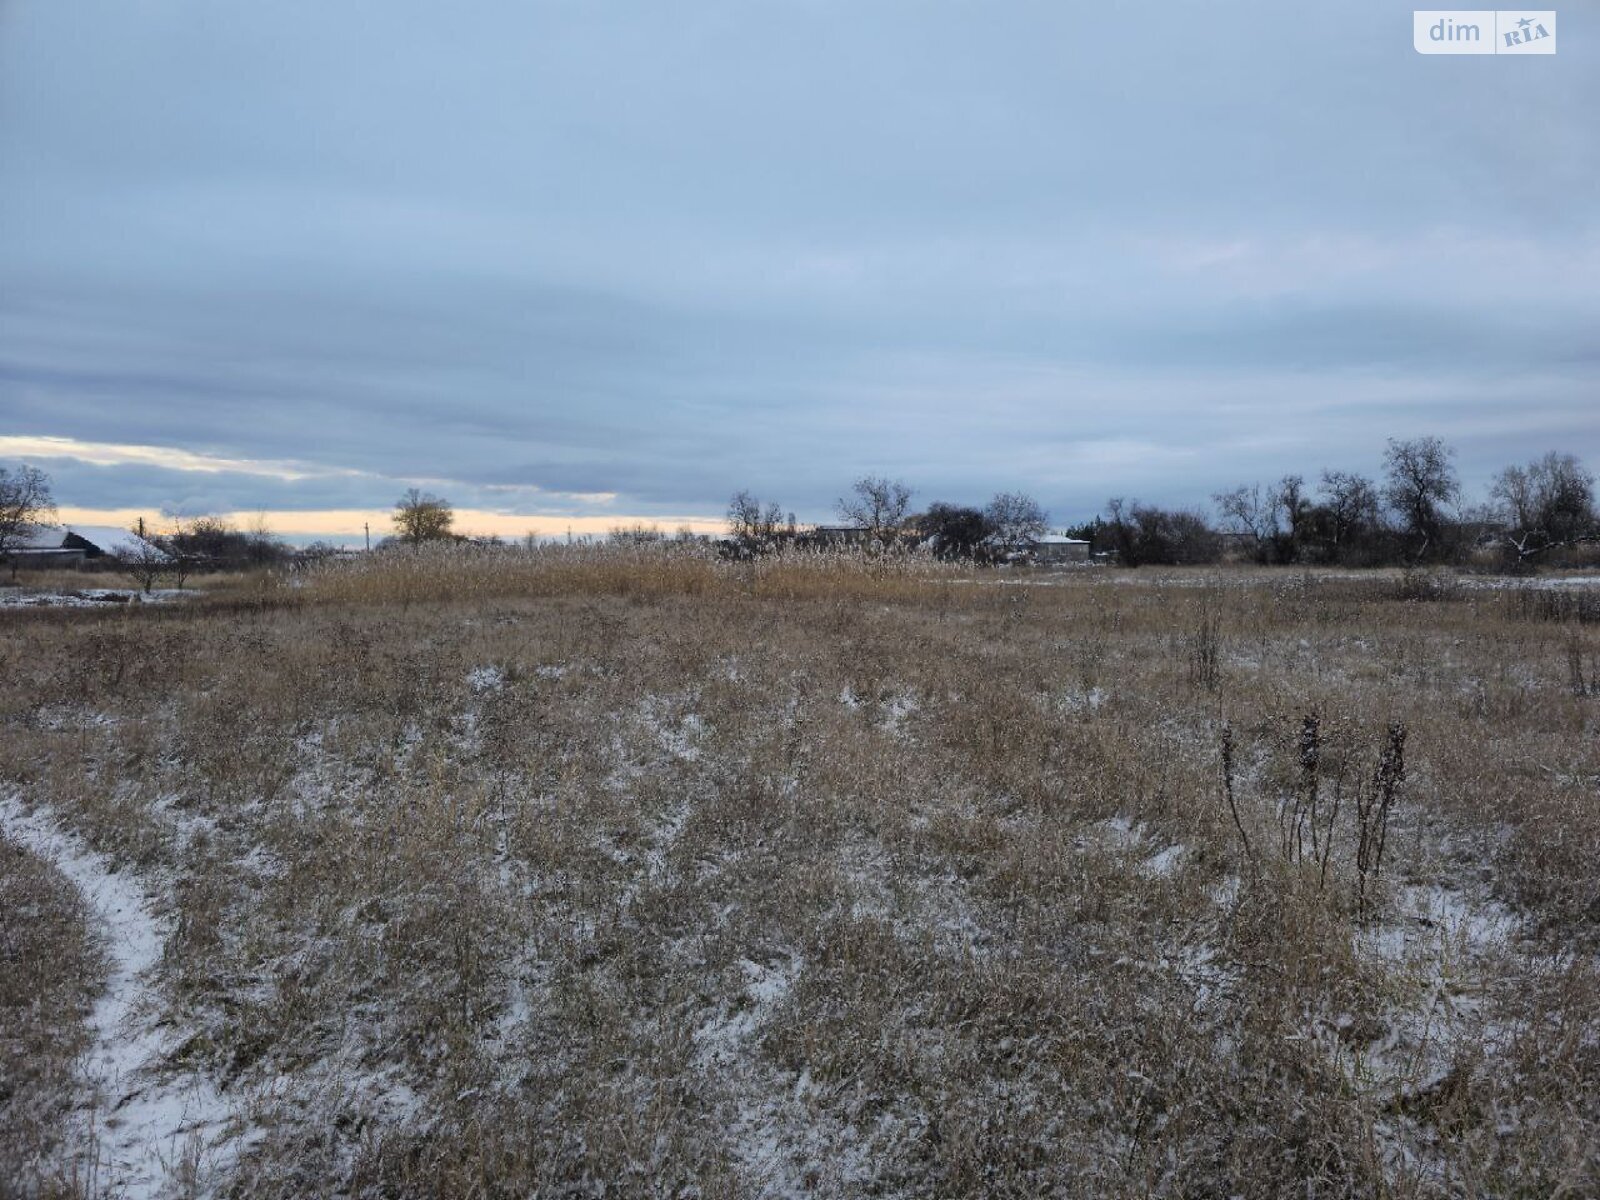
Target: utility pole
[(366, 528)]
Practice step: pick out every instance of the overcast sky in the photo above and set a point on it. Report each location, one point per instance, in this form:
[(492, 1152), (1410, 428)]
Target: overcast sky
[(591, 261)]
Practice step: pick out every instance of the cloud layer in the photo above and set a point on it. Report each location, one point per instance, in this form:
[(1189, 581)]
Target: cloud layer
[(617, 261)]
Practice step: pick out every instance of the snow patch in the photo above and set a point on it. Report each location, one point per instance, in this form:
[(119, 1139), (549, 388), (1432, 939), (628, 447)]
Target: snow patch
[(144, 1124), (1080, 701), (88, 597), (1164, 862), (765, 1108), (1434, 927), (1131, 837)]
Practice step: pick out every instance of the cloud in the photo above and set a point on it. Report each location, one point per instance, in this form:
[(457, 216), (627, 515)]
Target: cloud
[(106, 454), (177, 483), (629, 259)]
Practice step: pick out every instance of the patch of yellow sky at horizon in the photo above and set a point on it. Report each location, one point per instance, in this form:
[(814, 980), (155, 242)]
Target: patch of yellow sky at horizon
[(346, 524)]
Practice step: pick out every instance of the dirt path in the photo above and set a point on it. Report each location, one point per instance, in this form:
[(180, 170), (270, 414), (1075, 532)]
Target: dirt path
[(146, 1133)]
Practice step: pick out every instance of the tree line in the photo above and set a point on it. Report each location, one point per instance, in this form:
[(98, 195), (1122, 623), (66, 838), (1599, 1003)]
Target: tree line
[(877, 513), (1414, 511)]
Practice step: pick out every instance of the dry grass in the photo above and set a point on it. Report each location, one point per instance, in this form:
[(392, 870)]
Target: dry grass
[(469, 574), (39, 580), (631, 872), (101, 577), (49, 963)]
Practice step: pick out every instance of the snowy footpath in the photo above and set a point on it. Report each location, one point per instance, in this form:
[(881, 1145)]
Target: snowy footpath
[(145, 1132)]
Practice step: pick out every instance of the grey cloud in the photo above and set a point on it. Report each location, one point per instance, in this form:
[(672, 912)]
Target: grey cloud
[(667, 251)]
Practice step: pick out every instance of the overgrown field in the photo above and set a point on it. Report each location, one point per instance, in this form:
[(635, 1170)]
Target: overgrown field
[(622, 873)]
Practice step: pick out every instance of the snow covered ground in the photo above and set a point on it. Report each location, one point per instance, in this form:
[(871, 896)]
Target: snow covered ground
[(87, 597), (146, 1129), (600, 896), (1531, 581)]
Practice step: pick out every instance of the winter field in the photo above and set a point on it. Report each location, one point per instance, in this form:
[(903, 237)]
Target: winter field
[(623, 871)]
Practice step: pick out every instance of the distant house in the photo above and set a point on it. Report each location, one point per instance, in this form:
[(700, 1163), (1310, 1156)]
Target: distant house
[(1055, 548), (69, 545), (1047, 550), (42, 546), (108, 541)]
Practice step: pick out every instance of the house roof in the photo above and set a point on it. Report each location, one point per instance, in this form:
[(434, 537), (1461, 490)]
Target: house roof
[(42, 537), (1044, 539), (109, 539)]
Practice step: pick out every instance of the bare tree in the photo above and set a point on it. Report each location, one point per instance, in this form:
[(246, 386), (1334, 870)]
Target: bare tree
[(1292, 516), (1246, 512), (148, 563), (1545, 505), (637, 534), (205, 537), (262, 546), (1350, 510), (25, 501), (955, 531), (1421, 484), (1143, 533), (315, 552), (1280, 522), (1272, 518), (422, 517), (755, 528), (1018, 520), (877, 505)]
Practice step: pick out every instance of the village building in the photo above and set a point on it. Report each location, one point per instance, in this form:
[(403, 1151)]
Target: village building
[(1056, 548), (71, 546)]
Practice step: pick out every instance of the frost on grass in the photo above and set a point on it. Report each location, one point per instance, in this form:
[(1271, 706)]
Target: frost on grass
[(1139, 844), (766, 1118), (784, 1144), (934, 896), (145, 1125), (486, 680), (1437, 950), (88, 597)]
